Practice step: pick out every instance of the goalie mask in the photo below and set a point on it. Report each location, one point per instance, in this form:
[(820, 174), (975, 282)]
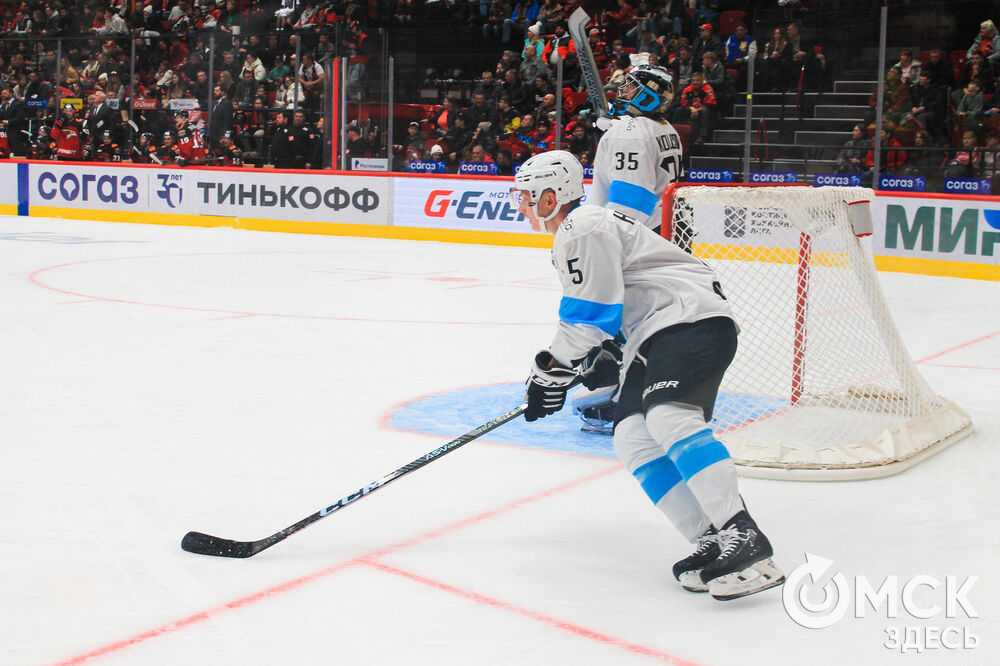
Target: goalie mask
[(646, 91)]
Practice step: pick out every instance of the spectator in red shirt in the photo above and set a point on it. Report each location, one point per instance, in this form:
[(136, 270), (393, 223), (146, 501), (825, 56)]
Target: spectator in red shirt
[(892, 160), (697, 104)]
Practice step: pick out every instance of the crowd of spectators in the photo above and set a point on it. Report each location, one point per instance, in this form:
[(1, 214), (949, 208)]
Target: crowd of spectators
[(941, 117), (249, 101), (708, 70), (212, 81)]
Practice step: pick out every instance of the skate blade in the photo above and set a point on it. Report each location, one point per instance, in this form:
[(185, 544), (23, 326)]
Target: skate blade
[(691, 581), (756, 578)]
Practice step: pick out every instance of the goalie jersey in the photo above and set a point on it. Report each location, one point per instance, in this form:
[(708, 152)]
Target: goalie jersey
[(636, 159), (617, 274)]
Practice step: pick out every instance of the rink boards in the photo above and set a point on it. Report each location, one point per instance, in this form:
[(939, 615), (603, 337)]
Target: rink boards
[(945, 235)]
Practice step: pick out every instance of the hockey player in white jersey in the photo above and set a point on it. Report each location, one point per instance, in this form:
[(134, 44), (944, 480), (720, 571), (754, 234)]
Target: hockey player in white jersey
[(638, 156), (640, 153), (617, 274)]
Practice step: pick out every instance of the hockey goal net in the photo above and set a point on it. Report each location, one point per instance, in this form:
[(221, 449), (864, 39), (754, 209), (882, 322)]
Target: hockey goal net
[(822, 386)]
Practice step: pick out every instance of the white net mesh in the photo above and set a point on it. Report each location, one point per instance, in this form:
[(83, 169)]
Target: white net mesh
[(822, 386)]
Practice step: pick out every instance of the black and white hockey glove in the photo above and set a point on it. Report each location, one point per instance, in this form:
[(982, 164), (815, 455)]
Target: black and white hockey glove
[(547, 387), (601, 366)]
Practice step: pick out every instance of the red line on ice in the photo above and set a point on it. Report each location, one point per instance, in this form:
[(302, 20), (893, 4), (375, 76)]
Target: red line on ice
[(968, 343), (528, 613), (368, 559)]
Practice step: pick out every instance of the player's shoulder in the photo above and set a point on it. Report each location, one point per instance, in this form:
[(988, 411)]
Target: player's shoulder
[(583, 221), (637, 127)]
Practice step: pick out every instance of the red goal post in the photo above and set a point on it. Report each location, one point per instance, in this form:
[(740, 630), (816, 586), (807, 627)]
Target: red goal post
[(822, 386)]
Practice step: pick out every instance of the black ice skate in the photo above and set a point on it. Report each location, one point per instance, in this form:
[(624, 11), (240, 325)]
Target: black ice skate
[(744, 565), (687, 570)]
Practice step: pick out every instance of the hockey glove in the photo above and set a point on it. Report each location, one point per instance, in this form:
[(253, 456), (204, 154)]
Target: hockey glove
[(547, 387), (601, 366)]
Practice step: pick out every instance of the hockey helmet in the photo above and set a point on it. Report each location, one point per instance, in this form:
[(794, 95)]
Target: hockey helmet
[(646, 91), (556, 170), (170, 134), (105, 135)]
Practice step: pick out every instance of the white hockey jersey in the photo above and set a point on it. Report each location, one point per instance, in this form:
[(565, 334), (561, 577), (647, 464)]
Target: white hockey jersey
[(618, 274), (636, 159)]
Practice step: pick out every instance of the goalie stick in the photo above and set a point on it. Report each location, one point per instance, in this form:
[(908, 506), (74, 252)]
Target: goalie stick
[(205, 544), (576, 26)]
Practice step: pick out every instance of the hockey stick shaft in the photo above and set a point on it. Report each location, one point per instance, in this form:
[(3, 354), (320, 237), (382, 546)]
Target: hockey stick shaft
[(205, 544)]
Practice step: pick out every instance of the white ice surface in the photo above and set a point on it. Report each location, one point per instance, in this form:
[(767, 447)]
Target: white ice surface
[(156, 380)]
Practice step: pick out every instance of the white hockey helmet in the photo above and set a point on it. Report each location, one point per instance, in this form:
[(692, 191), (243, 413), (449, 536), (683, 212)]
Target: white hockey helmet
[(556, 170), (646, 91)]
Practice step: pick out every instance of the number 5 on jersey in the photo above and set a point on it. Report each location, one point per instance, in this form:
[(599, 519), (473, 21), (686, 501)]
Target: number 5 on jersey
[(575, 272)]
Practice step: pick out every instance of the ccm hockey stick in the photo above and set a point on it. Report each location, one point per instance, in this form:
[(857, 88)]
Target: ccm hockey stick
[(576, 26), (205, 544)]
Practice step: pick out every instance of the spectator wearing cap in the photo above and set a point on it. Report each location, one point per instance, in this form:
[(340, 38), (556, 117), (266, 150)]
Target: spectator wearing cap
[(412, 147), (599, 48), (706, 41), (705, 11), (534, 38), (436, 152)]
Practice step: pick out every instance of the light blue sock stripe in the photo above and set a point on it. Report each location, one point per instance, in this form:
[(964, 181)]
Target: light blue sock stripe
[(657, 477), (631, 195), (695, 453), (608, 318)]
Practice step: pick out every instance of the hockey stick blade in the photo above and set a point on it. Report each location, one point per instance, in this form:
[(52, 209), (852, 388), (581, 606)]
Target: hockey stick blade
[(576, 25), (206, 544)]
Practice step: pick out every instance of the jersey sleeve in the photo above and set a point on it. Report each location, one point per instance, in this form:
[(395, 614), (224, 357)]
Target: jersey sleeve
[(590, 311), (625, 175)]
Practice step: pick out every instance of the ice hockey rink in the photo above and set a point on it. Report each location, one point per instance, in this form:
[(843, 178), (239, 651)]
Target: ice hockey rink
[(157, 380)]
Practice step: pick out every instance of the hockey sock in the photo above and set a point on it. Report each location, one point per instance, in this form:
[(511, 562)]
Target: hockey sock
[(659, 477), (702, 460)]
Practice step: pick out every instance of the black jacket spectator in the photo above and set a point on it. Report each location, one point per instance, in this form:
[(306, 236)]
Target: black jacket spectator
[(222, 116)]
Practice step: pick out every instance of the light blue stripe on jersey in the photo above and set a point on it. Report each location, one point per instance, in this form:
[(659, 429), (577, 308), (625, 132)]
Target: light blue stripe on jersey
[(608, 318), (695, 453), (657, 477), (631, 195)]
